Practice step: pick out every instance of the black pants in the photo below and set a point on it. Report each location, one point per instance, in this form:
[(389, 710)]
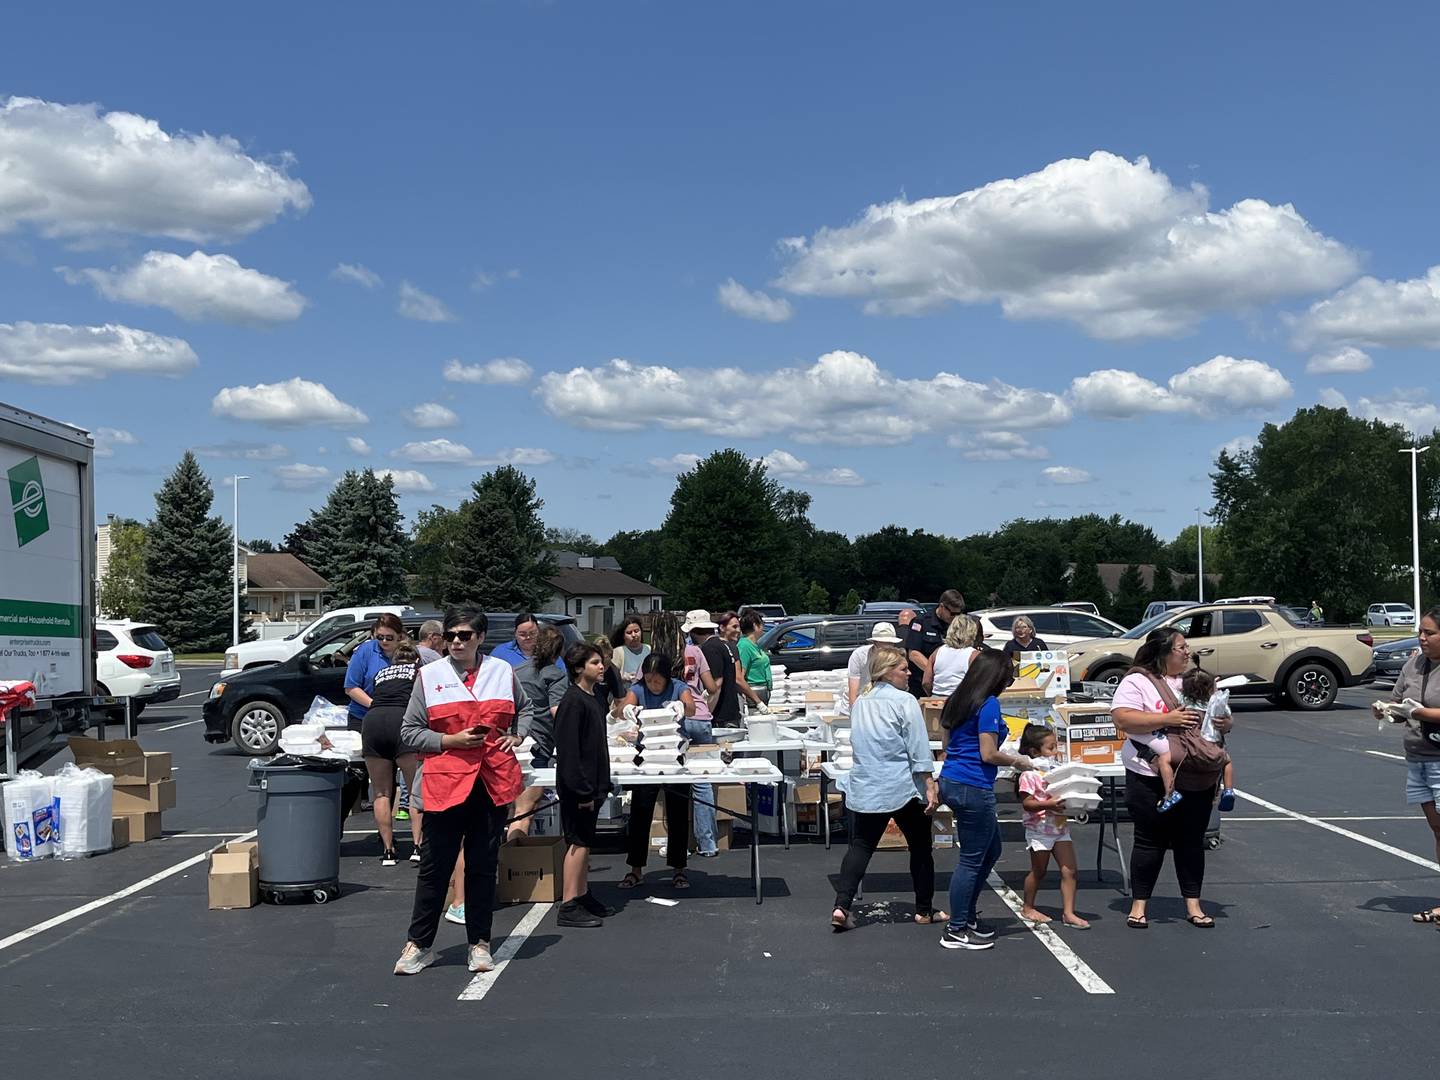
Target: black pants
[(677, 824), (1180, 830), (478, 824), (868, 830)]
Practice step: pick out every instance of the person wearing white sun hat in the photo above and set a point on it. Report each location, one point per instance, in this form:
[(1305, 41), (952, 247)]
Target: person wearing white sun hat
[(857, 671), (701, 628)]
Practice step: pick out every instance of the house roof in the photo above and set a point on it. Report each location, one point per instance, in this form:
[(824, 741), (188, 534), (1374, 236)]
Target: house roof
[(281, 571), (573, 560), (600, 582)]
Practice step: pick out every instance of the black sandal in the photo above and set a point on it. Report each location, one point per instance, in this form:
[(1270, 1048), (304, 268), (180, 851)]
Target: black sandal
[(680, 881), (1201, 922), (1137, 922), (630, 880)]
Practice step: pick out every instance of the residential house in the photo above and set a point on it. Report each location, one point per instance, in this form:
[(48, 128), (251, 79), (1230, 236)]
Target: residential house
[(280, 587), (597, 592)]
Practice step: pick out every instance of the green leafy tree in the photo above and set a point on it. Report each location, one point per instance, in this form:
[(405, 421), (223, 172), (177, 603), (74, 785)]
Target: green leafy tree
[(188, 564), (1183, 552), (501, 560), (582, 543), (313, 540), (817, 600), (434, 539), (917, 565), (723, 541), (122, 590), (637, 551), (1018, 586), (850, 602), (260, 546), (1131, 596), (365, 560), (1162, 585), (1085, 582)]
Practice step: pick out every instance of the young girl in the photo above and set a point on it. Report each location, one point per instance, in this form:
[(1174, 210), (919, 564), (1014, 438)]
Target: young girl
[(582, 781), (1046, 831), (1199, 693)]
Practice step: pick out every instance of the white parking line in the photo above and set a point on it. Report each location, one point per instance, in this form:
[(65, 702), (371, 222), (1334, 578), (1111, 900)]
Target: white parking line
[(1080, 971), (1320, 823), (172, 727), (481, 984), (195, 693), (1382, 753), (129, 890)]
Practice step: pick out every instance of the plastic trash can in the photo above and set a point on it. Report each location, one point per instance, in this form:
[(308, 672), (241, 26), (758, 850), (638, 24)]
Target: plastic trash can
[(298, 819)]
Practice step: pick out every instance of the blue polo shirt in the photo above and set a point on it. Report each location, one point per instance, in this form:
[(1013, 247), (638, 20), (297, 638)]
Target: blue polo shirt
[(365, 663), (510, 653)]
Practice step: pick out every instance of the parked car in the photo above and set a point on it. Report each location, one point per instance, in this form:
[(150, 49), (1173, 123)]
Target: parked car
[(249, 708), (1246, 600), (1159, 607), (1390, 615), (889, 610), (132, 660), (1391, 656), (1258, 642), (773, 614), (818, 642), (250, 654), (1055, 626), (1300, 616), (1078, 605)]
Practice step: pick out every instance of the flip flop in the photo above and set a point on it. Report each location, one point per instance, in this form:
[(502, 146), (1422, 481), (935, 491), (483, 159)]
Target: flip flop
[(929, 918), (679, 881), (1201, 922), (1137, 922), (630, 880)]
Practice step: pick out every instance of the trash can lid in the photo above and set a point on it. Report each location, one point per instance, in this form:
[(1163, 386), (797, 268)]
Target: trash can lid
[(290, 763)]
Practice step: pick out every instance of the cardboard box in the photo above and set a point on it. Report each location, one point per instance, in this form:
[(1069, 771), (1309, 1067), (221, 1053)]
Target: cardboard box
[(942, 828), (119, 833), (932, 707), (141, 827), (530, 870), (121, 758), (724, 833), (150, 799), (234, 880), (1088, 735), (729, 797), (808, 820)]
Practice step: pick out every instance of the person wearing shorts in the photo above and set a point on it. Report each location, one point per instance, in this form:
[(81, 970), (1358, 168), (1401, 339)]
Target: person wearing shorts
[(389, 693), (582, 781)]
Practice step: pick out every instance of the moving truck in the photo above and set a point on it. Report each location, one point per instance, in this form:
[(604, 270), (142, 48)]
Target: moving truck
[(47, 580)]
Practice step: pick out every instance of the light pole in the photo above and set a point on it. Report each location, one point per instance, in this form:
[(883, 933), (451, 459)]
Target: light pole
[(235, 567), (1200, 550), (1415, 452)]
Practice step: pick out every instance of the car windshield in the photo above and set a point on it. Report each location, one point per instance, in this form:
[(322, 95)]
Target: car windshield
[(1402, 609), (769, 611), (1294, 616), (1135, 633)]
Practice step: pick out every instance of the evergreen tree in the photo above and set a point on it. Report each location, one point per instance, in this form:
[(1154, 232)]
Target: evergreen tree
[(817, 600), (365, 560), (1017, 586), (501, 561), (1162, 585), (122, 590), (260, 546), (850, 603), (1131, 596), (188, 564), (313, 541), (433, 541), (1085, 582)]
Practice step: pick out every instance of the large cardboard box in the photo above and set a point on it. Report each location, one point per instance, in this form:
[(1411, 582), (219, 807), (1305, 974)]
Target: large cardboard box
[(234, 880), (149, 799), (121, 758), (119, 833), (141, 827), (1088, 735), (730, 797), (530, 870)]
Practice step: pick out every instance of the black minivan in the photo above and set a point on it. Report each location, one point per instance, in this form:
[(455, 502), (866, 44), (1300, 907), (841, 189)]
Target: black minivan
[(251, 707)]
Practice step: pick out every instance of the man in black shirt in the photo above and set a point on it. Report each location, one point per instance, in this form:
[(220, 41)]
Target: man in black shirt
[(726, 710), (927, 633)]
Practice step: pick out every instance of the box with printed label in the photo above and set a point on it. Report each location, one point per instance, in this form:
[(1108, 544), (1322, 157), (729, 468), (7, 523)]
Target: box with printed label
[(530, 870), (234, 880), (149, 799), (121, 758), (1088, 735)]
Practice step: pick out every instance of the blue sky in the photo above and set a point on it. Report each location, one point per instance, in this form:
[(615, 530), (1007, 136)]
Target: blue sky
[(987, 261)]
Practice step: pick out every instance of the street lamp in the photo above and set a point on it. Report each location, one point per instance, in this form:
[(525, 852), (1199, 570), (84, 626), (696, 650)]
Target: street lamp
[(1415, 452), (1200, 550), (235, 567)]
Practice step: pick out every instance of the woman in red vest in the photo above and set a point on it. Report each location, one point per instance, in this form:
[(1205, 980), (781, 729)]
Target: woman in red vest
[(461, 716)]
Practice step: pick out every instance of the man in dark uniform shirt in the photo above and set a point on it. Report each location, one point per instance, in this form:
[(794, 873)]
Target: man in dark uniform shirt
[(927, 633)]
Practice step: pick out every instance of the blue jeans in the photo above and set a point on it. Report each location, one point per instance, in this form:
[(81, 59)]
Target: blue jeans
[(702, 817), (978, 832)]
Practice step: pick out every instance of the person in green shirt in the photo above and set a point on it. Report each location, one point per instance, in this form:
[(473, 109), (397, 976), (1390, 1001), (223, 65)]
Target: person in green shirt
[(754, 661), (1317, 613)]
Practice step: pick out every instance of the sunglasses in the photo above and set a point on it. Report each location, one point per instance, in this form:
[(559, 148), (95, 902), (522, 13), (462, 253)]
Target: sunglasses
[(458, 635), (386, 637)]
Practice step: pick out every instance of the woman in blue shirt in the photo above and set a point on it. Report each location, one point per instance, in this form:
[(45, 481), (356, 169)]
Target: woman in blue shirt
[(967, 784), (371, 658), (893, 777), (656, 689)]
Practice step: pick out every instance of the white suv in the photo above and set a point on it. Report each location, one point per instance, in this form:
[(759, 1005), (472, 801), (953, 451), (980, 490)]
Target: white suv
[(251, 654), (1390, 615), (132, 660), (1057, 627)]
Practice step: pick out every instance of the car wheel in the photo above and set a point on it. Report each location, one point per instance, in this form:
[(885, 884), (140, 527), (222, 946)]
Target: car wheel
[(257, 728), (1110, 676), (1312, 687)]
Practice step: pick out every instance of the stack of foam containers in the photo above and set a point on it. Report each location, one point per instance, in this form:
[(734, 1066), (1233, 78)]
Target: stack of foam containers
[(1076, 785), (660, 746), (84, 799)]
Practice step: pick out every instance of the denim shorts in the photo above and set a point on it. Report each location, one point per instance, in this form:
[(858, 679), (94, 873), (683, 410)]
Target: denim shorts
[(1422, 782)]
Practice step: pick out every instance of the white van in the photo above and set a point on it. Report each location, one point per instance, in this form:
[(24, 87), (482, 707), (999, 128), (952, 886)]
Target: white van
[(253, 654)]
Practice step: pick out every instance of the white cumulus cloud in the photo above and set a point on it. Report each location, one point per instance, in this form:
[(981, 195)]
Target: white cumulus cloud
[(1346, 360), (1241, 444), (1409, 407), (675, 463), (58, 354), (357, 445), (503, 371), (408, 481), (107, 438), (753, 304), (785, 466), (421, 306), (1066, 474), (1221, 384), (357, 274), (71, 170), (447, 452), (300, 477), (197, 287), (431, 415), (292, 403), (1375, 313), (1106, 243), (243, 451), (997, 446), (843, 397)]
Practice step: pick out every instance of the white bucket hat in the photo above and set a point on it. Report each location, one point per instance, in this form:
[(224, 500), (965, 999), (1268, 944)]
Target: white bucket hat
[(884, 634), (698, 619)]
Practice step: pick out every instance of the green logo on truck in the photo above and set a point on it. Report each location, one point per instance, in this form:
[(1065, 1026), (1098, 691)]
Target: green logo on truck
[(27, 499)]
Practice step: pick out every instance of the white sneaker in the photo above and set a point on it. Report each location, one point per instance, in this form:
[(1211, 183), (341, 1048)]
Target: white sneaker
[(480, 958), (413, 959)]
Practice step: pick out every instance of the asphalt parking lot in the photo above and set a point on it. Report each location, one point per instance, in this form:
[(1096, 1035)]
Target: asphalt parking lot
[(1314, 967)]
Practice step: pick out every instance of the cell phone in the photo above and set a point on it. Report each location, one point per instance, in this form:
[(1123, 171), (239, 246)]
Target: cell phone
[(480, 729)]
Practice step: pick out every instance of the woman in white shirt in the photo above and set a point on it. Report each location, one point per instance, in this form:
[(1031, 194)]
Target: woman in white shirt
[(950, 662), (893, 779), (857, 675)]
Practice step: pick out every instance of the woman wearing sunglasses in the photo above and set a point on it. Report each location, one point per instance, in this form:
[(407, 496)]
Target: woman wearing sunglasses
[(371, 658)]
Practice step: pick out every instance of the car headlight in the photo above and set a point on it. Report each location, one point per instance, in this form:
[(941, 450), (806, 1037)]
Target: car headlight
[(216, 690), (232, 660)]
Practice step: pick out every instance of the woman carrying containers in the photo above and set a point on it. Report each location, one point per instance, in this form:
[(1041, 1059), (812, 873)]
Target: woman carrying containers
[(462, 717)]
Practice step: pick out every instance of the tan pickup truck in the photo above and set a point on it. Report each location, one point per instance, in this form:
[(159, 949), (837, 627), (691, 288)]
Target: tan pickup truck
[(1278, 659)]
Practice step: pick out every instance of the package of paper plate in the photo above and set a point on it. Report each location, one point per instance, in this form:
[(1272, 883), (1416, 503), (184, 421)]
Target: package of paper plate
[(29, 809)]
